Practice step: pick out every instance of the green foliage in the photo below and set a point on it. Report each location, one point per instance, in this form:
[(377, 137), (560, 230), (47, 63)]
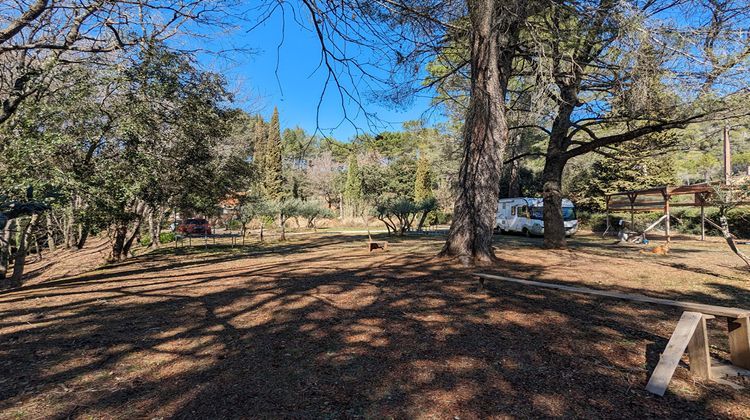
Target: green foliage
[(164, 238), (260, 137), (631, 169), (273, 184), (167, 237), (399, 214), (389, 145), (423, 181), (353, 187), (255, 207), (313, 210), (399, 177)]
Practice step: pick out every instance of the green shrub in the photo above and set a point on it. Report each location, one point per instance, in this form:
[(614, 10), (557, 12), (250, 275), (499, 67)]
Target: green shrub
[(439, 217), (166, 237), (690, 221), (144, 240), (234, 224)]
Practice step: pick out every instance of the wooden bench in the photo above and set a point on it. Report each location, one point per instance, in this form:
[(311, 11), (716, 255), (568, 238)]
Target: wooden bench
[(377, 245), (690, 333)]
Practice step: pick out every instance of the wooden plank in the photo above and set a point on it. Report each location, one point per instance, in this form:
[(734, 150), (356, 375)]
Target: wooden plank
[(676, 346), (687, 306), (739, 341), (700, 357)]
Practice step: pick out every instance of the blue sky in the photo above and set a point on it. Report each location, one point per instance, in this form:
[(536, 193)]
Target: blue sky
[(296, 86)]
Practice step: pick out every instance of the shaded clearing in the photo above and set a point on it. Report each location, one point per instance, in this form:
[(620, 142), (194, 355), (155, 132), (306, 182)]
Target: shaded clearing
[(322, 328)]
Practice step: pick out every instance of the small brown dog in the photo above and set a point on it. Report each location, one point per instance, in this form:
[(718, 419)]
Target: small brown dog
[(657, 250)]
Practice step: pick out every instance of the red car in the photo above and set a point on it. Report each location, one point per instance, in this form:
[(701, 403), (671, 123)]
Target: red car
[(194, 227)]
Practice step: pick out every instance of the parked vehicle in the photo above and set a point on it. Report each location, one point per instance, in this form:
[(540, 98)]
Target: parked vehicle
[(525, 215), (194, 227)]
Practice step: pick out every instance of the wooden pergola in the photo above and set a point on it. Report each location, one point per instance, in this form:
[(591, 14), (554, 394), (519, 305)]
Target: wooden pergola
[(661, 199)]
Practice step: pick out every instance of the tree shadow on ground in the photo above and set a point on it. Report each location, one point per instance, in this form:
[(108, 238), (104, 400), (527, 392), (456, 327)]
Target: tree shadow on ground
[(330, 332)]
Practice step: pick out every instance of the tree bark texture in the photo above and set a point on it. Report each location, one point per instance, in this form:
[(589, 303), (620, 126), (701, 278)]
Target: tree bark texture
[(554, 225), (21, 251), (84, 234), (485, 138), (555, 160), (50, 233), (5, 248)]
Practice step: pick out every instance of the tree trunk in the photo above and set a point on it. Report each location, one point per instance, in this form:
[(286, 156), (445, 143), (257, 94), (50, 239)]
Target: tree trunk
[(554, 226), (84, 235), (129, 243), (121, 232), (485, 136), (5, 248), (555, 160), (154, 228), (20, 260), (421, 220), (282, 225), (341, 206), (159, 219), (50, 233), (68, 221)]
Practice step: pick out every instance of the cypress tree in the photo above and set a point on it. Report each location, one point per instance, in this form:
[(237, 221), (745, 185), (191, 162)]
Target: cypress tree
[(353, 187), (260, 134), (422, 184), (273, 176)]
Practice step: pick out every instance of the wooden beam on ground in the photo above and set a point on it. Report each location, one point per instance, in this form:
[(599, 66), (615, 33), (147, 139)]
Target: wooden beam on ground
[(687, 306), (676, 346)]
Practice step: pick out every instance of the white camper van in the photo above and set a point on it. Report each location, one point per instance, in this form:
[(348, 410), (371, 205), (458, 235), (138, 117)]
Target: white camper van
[(524, 215)]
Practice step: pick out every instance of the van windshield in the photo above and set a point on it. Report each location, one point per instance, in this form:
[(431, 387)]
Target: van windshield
[(569, 213)]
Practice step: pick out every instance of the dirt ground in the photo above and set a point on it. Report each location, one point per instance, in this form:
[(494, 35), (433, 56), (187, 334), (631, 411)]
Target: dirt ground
[(319, 328)]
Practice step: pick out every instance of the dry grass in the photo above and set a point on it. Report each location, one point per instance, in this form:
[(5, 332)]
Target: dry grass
[(317, 327)]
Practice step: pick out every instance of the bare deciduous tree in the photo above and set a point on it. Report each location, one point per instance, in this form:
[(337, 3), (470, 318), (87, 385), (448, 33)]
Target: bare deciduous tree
[(39, 37)]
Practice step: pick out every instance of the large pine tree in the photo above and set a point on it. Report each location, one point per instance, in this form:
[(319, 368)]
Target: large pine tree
[(272, 169)]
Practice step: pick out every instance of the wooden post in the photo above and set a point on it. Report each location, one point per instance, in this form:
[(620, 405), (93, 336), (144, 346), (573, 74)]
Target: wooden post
[(727, 158), (666, 212), (672, 354), (739, 341), (703, 222), (606, 203), (700, 358), (632, 198), (607, 229)]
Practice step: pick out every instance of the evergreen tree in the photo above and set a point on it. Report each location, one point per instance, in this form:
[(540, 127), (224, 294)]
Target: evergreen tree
[(422, 182), (353, 187), (260, 137), (272, 167)]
